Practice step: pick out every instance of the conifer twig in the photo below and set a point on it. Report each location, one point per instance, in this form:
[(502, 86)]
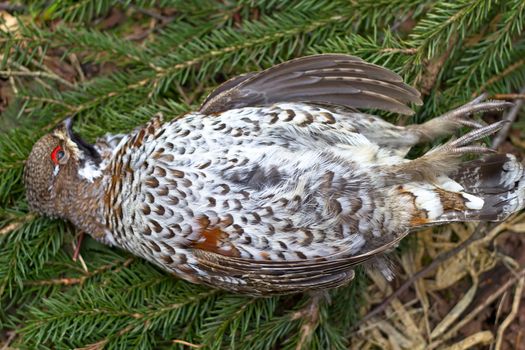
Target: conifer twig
[(10, 228), (52, 73), (408, 50), (25, 69), (10, 73), (515, 66), (50, 100), (49, 73), (15, 225), (76, 64), (80, 280), (310, 318)]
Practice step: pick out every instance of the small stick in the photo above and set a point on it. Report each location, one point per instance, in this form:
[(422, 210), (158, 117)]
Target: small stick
[(510, 116), (13, 85), (512, 314), (10, 337), (508, 96), (183, 342), (74, 61)]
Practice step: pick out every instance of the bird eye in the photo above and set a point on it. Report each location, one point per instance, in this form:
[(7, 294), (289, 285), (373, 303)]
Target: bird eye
[(57, 154)]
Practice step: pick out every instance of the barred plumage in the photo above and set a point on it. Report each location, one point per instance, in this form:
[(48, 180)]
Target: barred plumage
[(277, 184)]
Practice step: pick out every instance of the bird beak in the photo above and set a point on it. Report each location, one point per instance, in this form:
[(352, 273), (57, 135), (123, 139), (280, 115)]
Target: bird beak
[(68, 125), (88, 149)]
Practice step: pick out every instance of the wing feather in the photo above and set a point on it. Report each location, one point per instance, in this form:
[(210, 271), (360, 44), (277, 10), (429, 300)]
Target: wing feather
[(332, 78), (286, 276)]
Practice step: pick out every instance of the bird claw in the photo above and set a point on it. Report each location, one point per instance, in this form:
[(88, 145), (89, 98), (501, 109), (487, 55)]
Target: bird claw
[(473, 150), (470, 123), (463, 145), (462, 114), (482, 97), (477, 134)]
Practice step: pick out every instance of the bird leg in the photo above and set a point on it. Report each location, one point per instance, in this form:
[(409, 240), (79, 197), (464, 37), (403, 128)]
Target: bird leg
[(80, 239), (453, 120), (445, 158), (309, 315), (76, 252)]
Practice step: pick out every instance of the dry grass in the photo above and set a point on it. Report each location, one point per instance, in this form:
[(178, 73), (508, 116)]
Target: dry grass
[(472, 300)]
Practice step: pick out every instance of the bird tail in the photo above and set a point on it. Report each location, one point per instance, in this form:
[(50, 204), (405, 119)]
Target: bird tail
[(487, 189)]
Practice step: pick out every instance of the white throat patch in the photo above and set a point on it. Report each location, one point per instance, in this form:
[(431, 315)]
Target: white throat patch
[(90, 172)]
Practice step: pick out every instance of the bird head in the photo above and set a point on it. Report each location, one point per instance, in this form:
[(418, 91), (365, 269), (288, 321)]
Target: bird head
[(56, 165)]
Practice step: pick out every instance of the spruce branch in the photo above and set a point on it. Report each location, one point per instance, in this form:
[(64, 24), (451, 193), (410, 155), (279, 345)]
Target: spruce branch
[(69, 108), (491, 52), (228, 322), (25, 251), (519, 64), (80, 280), (445, 20), (82, 10)]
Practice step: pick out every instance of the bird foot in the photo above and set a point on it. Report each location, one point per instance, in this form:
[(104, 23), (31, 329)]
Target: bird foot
[(444, 159), (459, 117)]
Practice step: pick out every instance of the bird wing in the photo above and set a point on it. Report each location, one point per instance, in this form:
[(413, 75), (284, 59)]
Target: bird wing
[(330, 78), (281, 277)]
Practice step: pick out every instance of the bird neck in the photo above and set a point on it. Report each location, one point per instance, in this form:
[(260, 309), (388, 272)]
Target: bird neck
[(83, 205)]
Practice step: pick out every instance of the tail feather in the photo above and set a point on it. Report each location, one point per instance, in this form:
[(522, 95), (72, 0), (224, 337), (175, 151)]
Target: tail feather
[(490, 189), (500, 180), (494, 174)]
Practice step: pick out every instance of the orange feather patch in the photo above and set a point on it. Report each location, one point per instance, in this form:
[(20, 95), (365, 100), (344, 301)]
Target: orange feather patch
[(213, 239)]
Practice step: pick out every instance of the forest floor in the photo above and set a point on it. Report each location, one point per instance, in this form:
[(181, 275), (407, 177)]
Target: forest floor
[(475, 299)]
